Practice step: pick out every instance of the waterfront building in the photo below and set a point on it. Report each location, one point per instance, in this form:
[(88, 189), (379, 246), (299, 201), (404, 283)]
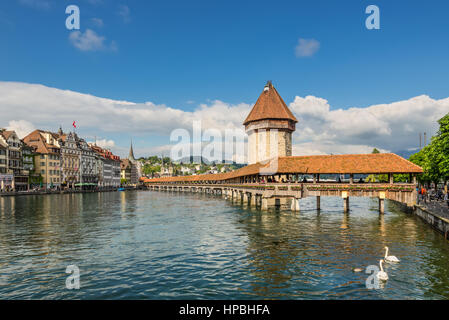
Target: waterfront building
[(88, 163), (269, 126), (136, 166), (102, 169), (130, 168), (5, 179), (28, 154), (70, 155), (3, 156), (47, 160), (125, 171), (108, 166), (14, 161)]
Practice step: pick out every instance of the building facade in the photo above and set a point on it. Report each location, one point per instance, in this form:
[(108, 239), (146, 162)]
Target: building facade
[(108, 166), (47, 160), (88, 164), (15, 179), (70, 159), (130, 168)]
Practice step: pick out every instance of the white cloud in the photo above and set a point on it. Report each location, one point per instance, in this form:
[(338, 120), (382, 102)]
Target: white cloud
[(320, 130), (306, 47), (90, 41), (97, 22), (125, 13), (104, 143), (21, 127), (391, 127)]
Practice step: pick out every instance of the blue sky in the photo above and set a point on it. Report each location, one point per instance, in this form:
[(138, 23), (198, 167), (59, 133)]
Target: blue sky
[(185, 53)]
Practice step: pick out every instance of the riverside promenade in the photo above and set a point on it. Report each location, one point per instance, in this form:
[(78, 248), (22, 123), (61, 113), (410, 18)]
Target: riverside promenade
[(48, 192), (435, 213)]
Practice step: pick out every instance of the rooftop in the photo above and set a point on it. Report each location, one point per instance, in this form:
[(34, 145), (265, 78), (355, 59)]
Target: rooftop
[(381, 163), (270, 105)]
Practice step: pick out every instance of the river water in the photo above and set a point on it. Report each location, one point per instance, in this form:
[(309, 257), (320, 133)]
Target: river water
[(160, 245)]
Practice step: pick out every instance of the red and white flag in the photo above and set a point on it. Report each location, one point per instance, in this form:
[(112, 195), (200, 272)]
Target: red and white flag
[(74, 124)]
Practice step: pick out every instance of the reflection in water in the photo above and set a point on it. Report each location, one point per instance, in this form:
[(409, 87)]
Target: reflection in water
[(186, 246)]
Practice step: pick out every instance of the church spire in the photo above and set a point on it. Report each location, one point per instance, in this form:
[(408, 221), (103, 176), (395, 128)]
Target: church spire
[(131, 152)]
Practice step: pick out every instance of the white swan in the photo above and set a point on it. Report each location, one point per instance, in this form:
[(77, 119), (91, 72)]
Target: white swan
[(388, 258), (382, 275)]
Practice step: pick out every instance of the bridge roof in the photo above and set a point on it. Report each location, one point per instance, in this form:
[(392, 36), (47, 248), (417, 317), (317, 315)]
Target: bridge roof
[(380, 163), (270, 105)]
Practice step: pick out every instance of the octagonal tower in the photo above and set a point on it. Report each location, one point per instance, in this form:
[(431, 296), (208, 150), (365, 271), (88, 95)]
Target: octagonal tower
[(269, 126)]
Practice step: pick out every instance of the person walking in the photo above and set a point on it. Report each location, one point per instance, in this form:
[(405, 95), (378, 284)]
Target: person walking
[(446, 198), (424, 194)]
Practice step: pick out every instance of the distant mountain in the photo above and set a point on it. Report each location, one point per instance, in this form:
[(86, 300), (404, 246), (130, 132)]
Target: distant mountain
[(406, 153)]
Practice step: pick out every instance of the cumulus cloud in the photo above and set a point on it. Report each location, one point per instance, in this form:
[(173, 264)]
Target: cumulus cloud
[(390, 127), (21, 127), (320, 130), (306, 47), (104, 143), (97, 22), (90, 41)]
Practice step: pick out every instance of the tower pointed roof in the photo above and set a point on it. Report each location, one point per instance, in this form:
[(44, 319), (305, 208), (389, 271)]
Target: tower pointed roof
[(131, 152), (270, 105)]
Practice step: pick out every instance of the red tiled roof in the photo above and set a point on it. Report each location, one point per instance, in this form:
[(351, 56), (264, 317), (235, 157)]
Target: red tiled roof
[(270, 106), (35, 139), (380, 163), (6, 134)]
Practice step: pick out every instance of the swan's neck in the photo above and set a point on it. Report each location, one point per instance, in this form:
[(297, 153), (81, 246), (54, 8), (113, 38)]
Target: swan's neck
[(381, 268), (386, 252)]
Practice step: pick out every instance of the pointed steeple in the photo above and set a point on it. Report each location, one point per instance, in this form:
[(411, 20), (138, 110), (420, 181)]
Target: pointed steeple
[(131, 152)]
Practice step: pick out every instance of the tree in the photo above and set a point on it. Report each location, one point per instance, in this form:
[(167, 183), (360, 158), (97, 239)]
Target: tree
[(434, 158), (375, 151)]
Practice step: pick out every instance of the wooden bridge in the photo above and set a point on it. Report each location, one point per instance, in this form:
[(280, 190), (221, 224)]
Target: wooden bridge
[(256, 186)]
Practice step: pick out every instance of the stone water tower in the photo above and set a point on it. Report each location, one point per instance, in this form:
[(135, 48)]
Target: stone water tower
[(269, 126)]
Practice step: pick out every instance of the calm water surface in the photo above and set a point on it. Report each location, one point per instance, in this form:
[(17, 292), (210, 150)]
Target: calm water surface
[(156, 245)]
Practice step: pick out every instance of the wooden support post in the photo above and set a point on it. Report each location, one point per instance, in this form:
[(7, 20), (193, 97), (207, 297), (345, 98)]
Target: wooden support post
[(381, 206), (351, 178), (314, 178), (253, 200), (391, 178), (345, 196), (264, 203), (346, 204), (318, 203), (245, 197)]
